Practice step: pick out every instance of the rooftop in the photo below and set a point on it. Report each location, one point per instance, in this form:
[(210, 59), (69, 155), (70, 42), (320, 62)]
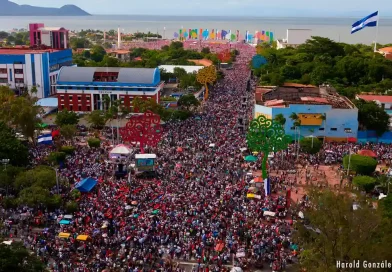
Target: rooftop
[(386, 50), (118, 51), (24, 50), (108, 76), (51, 28), (188, 68), (204, 62), (293, 93), (380, 98)]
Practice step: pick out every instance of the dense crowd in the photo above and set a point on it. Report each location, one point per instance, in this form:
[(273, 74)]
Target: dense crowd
[(196, 210)]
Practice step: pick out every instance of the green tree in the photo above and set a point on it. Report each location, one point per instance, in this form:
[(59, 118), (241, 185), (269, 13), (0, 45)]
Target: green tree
[(66, 117), (17, 258), (362, 165), (334, 231), (371, 116), (97, 53), (68, 131), (34, 196), (187, 101), (206, 50), (41, 176), (311, 145), (11, 148), (179, 72), (364, 183), (280, 119), (94, 142), (71, 207), (56, 157), (96, 119)]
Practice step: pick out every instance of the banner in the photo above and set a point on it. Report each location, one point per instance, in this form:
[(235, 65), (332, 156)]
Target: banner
[(262, 36)]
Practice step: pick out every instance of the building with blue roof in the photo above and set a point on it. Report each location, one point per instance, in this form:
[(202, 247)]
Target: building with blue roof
[(24, 68), (85, 89)]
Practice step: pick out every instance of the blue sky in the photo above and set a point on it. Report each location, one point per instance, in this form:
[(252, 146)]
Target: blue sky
[(300, 8)]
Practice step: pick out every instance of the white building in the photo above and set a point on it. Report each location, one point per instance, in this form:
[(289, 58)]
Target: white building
[(294, 38), (188, 68), (24, 68)]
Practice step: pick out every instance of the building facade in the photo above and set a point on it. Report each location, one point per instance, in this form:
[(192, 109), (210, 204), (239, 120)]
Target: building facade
[(311, 106), (53, 37), (23, 68), (84, 89)]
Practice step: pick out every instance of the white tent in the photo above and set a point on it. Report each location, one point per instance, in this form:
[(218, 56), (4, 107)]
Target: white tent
[(120, 151)]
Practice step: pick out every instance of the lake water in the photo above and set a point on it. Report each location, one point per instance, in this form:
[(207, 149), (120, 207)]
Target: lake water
[(337, 29)]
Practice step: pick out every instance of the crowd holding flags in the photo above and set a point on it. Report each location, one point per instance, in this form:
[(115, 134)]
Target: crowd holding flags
[(229, 35)]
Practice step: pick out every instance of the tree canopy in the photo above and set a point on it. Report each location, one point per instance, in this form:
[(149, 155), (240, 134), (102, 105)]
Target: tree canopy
[(66, 117), (187, 101), (362, 165), (371, 116), (310, 145), (11, 148), (351, 69), (364, 183), (96, 119), (17, 258), (333, 231)]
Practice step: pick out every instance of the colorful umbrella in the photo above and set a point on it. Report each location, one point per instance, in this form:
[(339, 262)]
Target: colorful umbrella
[(250, 158)]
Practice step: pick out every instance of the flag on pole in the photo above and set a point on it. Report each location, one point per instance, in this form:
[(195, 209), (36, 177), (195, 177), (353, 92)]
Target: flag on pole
[(369, 21), (45, 139), (267, 186)]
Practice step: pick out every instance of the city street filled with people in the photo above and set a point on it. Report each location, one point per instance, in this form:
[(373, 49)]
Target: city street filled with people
[(195, 214)]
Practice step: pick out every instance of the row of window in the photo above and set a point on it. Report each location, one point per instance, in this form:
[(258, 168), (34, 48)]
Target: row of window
[(105, 89), (17, 71), (71, 107), (347, 130), (71, 98)]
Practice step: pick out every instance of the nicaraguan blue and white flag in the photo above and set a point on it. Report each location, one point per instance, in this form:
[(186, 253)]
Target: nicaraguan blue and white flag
[(45, 139), (369, 21), (267, 186)]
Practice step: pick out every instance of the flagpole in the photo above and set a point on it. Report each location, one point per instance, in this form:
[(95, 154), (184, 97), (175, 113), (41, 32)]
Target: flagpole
[(375, 42)]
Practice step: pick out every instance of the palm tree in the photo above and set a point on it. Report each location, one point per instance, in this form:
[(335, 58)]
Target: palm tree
[(279, 118), (311, 130), (297, 123), (323, 118)]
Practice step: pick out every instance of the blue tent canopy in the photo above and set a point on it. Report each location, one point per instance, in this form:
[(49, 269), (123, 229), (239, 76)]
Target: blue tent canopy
[(86, 185), (65, 222)]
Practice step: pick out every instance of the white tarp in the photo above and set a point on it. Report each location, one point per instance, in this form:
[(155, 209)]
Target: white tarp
[(268, 213)]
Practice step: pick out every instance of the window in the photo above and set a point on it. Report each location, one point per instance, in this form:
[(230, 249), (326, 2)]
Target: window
[(3, 70), (3, 80), (334, 129), (79, 98), (19, 80), (18, 71), (321, 129), (292, 128), (88, 108), (80, 108), (88, 98), (62, 97), (71, 107), (347, 130), (70, 97)]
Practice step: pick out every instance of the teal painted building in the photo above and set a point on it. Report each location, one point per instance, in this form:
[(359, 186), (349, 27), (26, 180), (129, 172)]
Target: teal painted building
[(341, 116)]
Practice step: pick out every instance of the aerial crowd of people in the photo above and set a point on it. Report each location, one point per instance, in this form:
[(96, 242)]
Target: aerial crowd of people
[(196, 213)]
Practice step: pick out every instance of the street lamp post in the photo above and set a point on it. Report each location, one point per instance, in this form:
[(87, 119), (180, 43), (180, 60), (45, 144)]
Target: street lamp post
[(57, 179), (5, 162), (349, 162)]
